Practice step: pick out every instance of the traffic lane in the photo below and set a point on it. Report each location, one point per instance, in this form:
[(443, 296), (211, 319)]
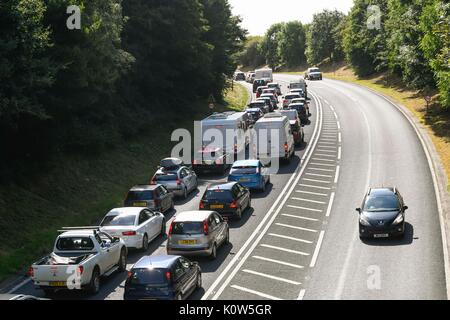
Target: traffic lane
[(411, 268), (112, 287)]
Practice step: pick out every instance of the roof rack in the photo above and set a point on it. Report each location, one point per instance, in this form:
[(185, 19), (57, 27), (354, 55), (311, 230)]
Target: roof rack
[(368, 192), (95, 229)]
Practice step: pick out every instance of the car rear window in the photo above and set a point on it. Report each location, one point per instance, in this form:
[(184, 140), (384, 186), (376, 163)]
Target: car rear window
[(75, 244), (218, 194), (291, 96), (166, 177), (244, 170), (140, 195), (118, 220), (382, 203), (148, 277), (187, 228)]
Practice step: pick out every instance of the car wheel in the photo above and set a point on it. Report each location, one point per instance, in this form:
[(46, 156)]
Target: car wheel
[(163, 228), (94, 285), (122, 261), (178, 297), (239, 214), (263, 188), (145, 243), (213, 255), (199, 281), (172, 205), (227, 237), (185, 194)]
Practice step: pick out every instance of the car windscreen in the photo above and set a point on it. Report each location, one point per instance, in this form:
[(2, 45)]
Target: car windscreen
[(381, 203), (166, 177), (75, 244), (118, 220), (218, 195), (187, 228), (257, 105), (148, 277), (244, 170), (314, 70), (291, 96), (291, 115), (140, 195)]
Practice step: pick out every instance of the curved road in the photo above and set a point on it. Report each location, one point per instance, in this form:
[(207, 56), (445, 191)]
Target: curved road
[(300, 241)]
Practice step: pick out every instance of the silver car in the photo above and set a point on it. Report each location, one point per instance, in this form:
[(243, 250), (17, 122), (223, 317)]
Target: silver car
[(177, 178), (197, 233), (288, 98)]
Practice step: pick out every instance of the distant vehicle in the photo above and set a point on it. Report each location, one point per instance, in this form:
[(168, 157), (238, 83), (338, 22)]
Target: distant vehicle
[(382, 214), (178, 179), (250, 77), (296, 127), (260, 90), (313, 74), (301, 111), (239, 76), (258, 83), (302, 101), (197, 233), (211, 159), (275, 86), (288, 98), (162, 278), (79, 258), (272, 98), (228, 199), (15, 296), (268, 102), (137, 227), (250, 173), (255, 114), (272, 91), (299, 91), (265, 73), (155, 197), (299, 84), (236, 122), (261, 104), (285, 148)]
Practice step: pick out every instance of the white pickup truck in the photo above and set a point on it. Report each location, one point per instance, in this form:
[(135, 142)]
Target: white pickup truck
[(79, 258)]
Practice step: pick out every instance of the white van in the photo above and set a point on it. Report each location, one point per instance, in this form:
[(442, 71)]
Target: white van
[(299, 84), (266, 74), (235, 124), (285, 147)]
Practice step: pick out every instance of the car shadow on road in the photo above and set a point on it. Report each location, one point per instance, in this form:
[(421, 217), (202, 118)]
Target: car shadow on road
[(246, 215), (407, 239), (180, 201), (257, 194)]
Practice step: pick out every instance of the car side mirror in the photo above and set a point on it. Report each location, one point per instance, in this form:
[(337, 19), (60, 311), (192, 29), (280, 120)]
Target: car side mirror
[(405, 208), (358, 210), (116, 239)]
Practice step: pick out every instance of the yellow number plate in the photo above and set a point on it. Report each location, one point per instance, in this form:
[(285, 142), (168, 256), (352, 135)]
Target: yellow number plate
[(189, 242), (217, 206), (58, 284), (140, 204)]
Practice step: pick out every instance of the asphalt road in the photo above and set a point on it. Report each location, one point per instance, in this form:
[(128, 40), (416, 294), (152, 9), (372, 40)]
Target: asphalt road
[(300, 240)]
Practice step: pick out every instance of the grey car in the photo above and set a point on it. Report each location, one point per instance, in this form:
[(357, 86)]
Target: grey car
[(155, 197), (178, 179), (197, 233)]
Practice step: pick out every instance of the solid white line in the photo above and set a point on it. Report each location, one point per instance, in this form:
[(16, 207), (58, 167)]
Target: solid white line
[(301, 294), (339, 153), (330, 204), (336, 177), (269, 217), (313, 193), (289, 238), (17, 287), (285, 250), (303, 208), (257, 293), (294, 227), (319, 175), (318, 169), (318, 181), (279, 262), (317, 187), (308, 200), (332, 108), (299, 217), (316, 252)]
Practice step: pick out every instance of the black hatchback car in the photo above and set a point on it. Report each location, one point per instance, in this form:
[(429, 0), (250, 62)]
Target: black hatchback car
[(162, 278), (228, 199), (382, 214)]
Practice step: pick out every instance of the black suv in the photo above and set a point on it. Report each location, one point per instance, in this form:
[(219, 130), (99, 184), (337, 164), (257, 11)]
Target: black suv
[(382, 214), (228, 199)]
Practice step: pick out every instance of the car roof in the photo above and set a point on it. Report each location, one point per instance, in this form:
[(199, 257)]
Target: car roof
[(222, 186), (292, 94), (256, 101), (144, 187), (162, 262), (382, 192), (77, 233), (128, 211), (243, 163), (253, 110), (224, 116), (192, 216), (296, 104)]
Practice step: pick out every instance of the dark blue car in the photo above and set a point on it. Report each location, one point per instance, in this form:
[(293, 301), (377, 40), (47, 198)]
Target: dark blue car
[(250, 173), (162, 278)]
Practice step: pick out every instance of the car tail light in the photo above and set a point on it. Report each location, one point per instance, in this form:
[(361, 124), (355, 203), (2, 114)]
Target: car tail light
[(235, 147), (195, 162), (153, 181), (285, 101), (80, 270), (205, 227), (129, 274), (129, 233), (286, 147), (219, 161), (31, 272), (178, 182), (202, 205), (168, 275), (233, 205), (170, 228)]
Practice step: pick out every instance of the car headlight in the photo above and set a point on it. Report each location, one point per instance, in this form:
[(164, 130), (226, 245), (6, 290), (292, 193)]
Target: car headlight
[(364, 221), (399, 219)]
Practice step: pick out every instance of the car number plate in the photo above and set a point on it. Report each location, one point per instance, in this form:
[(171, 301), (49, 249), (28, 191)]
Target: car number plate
[(140, 204), (58, 284), (188, 242), (217, 206), (381, 235), (243, 180), (208, 162)]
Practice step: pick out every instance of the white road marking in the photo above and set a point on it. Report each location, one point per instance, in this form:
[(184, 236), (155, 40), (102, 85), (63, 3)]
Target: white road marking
[(336, 177), (339, 125), (295, 227), (279, 262), (327, 143), (326, 139), (340, 137), (303, 208), (301, 294), (257, 293), (299, 217), (308, 200), (311, 186), (323, 164), (325, 155), (330, 204), (339, 153), (319, 169), (319, 175), (313, 193), (285, 250), (321, 159), (289, 238), (326, 150), (316, 251), (268, 276), (318, 181)]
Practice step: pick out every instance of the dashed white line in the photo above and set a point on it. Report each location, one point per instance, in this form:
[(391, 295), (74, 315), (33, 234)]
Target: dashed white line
[(339, 153), (303, 208), (257, 293), (336, 177), (316, 251), (330, 204), (295, 227), (301, 294), (340, 137), (289, 238), (284, 249), (279, 262)]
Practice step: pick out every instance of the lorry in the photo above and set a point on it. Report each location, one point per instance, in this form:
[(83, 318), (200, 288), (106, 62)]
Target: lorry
[(299, 84), (80, 257), (265, 74)]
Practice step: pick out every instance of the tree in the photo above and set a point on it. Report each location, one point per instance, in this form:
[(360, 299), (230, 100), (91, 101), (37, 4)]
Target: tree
[(252, 54), (270, 45), (292, 44)]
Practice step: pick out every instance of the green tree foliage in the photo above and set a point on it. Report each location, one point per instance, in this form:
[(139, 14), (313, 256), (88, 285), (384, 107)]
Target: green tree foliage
[(435, 44), (270, 45), (252, 55), (323, 38), (292, 44)]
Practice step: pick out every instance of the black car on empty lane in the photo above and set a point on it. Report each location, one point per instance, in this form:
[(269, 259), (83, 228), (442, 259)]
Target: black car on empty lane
[(382, 214)]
